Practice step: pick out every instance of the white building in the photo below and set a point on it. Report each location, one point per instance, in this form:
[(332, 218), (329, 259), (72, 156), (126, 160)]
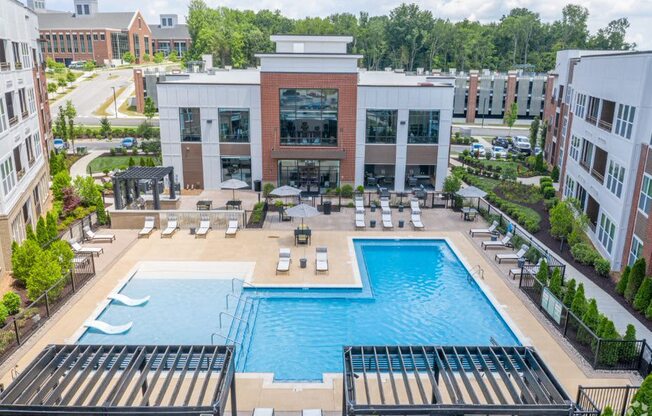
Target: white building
[(23, 168), (308, 117), (601, 131)]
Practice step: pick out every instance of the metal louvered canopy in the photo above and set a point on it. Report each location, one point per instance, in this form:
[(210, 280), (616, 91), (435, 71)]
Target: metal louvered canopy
[(418, 380), (124, 379)]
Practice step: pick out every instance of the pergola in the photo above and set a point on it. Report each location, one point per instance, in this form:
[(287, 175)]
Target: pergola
[(128, 180), (420, 380), (125, 380)]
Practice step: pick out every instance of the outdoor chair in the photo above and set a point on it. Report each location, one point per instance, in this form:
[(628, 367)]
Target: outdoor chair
[(359, 220), (512, 256), (172, 227), (232, 229), (517, 271), (90, 235), (490, 230), (414, 206), (77, 248), (204, 227), (384, 205), (415, 219), (284, 260), (505, 242), (387, 221), (147, 228), (321, 260)]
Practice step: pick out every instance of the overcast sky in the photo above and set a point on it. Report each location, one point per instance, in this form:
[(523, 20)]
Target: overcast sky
[(639, 12)]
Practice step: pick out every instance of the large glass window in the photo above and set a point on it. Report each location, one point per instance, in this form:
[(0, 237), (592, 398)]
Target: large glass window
[(645, 199), (635, 250), (119, 44), (615, 178), (625, 120), (379, 175), (236, 168), (423, 127), (381, 126), (606, 232), (190, 124), (308, 117), (574, 151), (234, 125), (310, 176)]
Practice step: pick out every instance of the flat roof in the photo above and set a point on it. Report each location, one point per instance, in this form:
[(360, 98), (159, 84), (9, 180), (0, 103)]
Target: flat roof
[(220, 77), (311, 38), (400, 79)]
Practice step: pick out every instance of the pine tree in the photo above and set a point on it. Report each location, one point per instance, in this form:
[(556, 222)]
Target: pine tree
[(635, 280), (578, 307), (29, 232), (591, 319), (609, 351), (570, 293), (643, 296), (555, 283), (51, 225), (622, 283), (607, 411), (648, 311), (542, 274), (42, 232), (628, 351)]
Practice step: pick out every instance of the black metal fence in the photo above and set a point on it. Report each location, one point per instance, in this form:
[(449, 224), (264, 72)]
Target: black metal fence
[(600, 353), (585, 406), (619, 398), (23, 325)]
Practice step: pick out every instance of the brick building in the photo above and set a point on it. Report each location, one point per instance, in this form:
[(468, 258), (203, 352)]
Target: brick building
[(170, 35)]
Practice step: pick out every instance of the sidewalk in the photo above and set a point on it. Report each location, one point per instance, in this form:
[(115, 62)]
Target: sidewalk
[(80, 167)]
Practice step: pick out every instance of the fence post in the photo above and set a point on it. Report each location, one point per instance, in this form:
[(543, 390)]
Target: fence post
[(640, 355), (47, 305), (566, 324), (597, 353), (623, 409), (16, 331), (72, 279)]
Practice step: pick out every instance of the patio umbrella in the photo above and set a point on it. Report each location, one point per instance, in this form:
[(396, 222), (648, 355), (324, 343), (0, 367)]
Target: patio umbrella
[(302, 211), (471, 192), (234, 184), (285, 190)]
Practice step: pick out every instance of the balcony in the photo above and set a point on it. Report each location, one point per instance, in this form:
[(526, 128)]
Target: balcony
[(13, 121), (18, 65), (30, 162), (5, 66), (25, 114), (607, 115), (604, 125), (20, 174), (599, 166), (592, 210)]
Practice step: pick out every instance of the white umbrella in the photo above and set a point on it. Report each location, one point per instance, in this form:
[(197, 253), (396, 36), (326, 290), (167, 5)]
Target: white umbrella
[(285, 190), (302, 211), (471, 192), (234, 184)]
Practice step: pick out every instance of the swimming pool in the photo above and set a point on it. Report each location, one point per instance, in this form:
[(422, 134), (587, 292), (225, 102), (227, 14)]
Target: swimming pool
[(417, 292)]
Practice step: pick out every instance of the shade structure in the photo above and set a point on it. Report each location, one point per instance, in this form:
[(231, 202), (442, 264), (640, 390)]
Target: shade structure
[(285, 191), (234, 184), (471, 192), (302, 211)]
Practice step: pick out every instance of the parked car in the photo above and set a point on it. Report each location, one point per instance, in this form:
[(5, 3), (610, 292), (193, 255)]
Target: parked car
[(499, 152), (59, 144), (129, 142), (501, 141), (522, 144), (76, 65), (477, 148)]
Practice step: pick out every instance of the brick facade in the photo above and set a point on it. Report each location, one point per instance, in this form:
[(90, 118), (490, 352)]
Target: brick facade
[(139, 90), (347, 86), (472, 97)]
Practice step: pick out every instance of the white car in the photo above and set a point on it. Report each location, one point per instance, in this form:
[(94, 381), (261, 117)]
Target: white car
[(522, 144), (477, 148), (499, 152)]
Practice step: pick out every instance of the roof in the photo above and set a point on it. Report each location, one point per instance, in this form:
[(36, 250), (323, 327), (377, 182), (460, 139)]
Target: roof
[(66, 20), (179, 31), (400, 79), (142, 172), (123, 379), (311, 38), (233, 76)]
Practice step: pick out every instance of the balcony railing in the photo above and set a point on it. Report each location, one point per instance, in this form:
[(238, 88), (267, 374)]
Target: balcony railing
[(597, 175), (585, 165), (605, 125), (25, 114), (18, 65), (5, 66), (20, 174), (591, 119), (30, 162), (13, 120)]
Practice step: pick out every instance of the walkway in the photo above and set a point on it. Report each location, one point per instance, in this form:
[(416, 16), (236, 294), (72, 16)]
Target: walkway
[(80, 167)]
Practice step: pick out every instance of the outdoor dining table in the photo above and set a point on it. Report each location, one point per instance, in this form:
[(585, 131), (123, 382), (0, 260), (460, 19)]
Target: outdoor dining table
[(234, 204), (302, 235), (204, 205), (468, 214)]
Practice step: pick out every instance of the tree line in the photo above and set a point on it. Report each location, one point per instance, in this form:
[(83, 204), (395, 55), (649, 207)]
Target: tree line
[(409, 37)]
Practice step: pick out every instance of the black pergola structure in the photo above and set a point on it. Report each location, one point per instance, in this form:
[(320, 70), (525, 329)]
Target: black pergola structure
[(125, 380), (126, 189), (436, 380)]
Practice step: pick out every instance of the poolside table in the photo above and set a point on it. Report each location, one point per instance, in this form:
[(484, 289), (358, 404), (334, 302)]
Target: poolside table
[(302, 235), (468, 214), (204, 205), (234, 204)]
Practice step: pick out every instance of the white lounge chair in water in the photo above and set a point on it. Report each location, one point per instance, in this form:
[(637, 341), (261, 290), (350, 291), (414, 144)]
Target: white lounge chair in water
[(204, 227), (321, 259), (90, 235), (490, 230), (387, 220), (77, 248), (284, 260), (497, 244), (148, 227), (359, 220), (512, 256), (415, 219), (108, 328), (171, 228), (414, 206), (232, 228), (127, 301)]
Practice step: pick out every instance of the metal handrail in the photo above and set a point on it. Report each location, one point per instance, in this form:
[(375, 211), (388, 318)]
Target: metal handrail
[(239, 298), (477, 270), (244, 283), (232, 316), (223, 336)]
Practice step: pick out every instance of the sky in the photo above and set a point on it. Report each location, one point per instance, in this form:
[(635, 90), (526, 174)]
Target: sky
[(601, 12)]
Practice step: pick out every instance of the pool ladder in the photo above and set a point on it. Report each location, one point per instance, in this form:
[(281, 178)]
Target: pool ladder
[(242, 321), (476, 272)]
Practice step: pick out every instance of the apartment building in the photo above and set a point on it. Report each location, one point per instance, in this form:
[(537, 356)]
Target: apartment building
[(88, 34), (24, 126), (599, 114), (308, 117), (170, 35)]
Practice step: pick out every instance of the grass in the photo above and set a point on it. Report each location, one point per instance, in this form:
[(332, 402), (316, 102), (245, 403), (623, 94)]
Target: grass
[(102, 110), (55, 76), (125, 108), (502, 163), (103, 163)]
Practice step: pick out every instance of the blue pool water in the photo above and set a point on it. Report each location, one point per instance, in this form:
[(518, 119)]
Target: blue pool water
[(417, 292)]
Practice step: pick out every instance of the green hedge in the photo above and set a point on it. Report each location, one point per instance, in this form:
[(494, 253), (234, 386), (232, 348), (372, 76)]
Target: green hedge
[(116, 132)]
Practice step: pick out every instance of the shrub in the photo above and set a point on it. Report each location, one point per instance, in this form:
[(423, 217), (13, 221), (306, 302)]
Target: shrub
[(22, 257), (628, 351), (570, 293), (42, 232), (542, 274), (4, 313), (555, 283), (452, 184), (591, 319), (267, 189), (610, 352), (63, 254), (70, 200), (636, 277), (578, 306), (642, 401), (60, 182), (602, 266), (550, 203), (549, 192), (643, 295), (360, 189), (622, 283), (12, 302), (44, 273), (346, 191), (584, 253), (545, 179), (555, 173), (607, 411)]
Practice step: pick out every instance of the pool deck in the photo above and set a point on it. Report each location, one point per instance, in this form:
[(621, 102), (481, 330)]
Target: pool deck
[(335, 232)]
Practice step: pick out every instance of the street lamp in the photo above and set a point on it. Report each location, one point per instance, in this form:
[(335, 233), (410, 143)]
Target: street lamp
[(115, 103)]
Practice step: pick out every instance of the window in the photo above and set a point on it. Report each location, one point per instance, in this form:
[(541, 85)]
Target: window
[(119, 44), (423, 127), (31, 100), (29, 150), (606, 232), (190, 124), (37, 144), (569, 188), (3, 116), (79, 9), (381, 126), (236, 168), (86, 9), (146, 41), (635, 250), (90, 43), (102, 37), (615, 178), (17, 229), (136, 39), (69, 43), (8, 175), (26, 60), (55, 44), (645, 199), (308, 117), (63, 44), (625, 120), (82, 43), (234, 125), (95, 36), (49, 42), (574, 151), (592, 113), (564, 128)]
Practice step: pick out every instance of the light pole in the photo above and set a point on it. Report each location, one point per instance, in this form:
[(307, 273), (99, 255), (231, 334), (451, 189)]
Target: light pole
[(115, 103)]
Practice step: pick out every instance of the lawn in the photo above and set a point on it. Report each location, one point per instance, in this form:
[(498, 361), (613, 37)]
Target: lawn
[(499, 163), (55, 76), (103, 163), (102, 109)]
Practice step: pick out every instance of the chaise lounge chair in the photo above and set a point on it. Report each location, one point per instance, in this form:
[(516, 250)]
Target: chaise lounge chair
[(498, 244), (517, 271), (232, 229), (147, 228), (77, 248), (204, 227), (359, 220), (321, 260), (415, 219), (490, 230), (284, 260), (384, 205), (359, 204), (414, 206), (512, 256), (172, 227), (387, 220), (90, 235)]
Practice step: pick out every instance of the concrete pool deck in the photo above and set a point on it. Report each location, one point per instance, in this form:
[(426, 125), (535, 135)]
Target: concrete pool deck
[(261, 247)]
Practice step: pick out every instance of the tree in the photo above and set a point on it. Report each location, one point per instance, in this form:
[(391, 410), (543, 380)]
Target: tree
[(555, 283), (4, 313), (44, 273), (510, 116), (612, 37), (562, 218), (70, 77), (63, 254), (570, 293), (105, 127), (60, 182), (132, 162), (150, 108), (22, 257), (452, 184), (52, 87), (643, 295), (642, 401), (60, 128), (146, 57), (554, 175), (629, 352), (173, 56), (128, 57), (71, 112), (609, 352), (51, 225), (42, 232), (61, 83), (12, 302), (158, 57), (534, 131), (636, 277), (89, 65), (70, 200), (578, 307), (542, 273), (591, 319), (624, 278)]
